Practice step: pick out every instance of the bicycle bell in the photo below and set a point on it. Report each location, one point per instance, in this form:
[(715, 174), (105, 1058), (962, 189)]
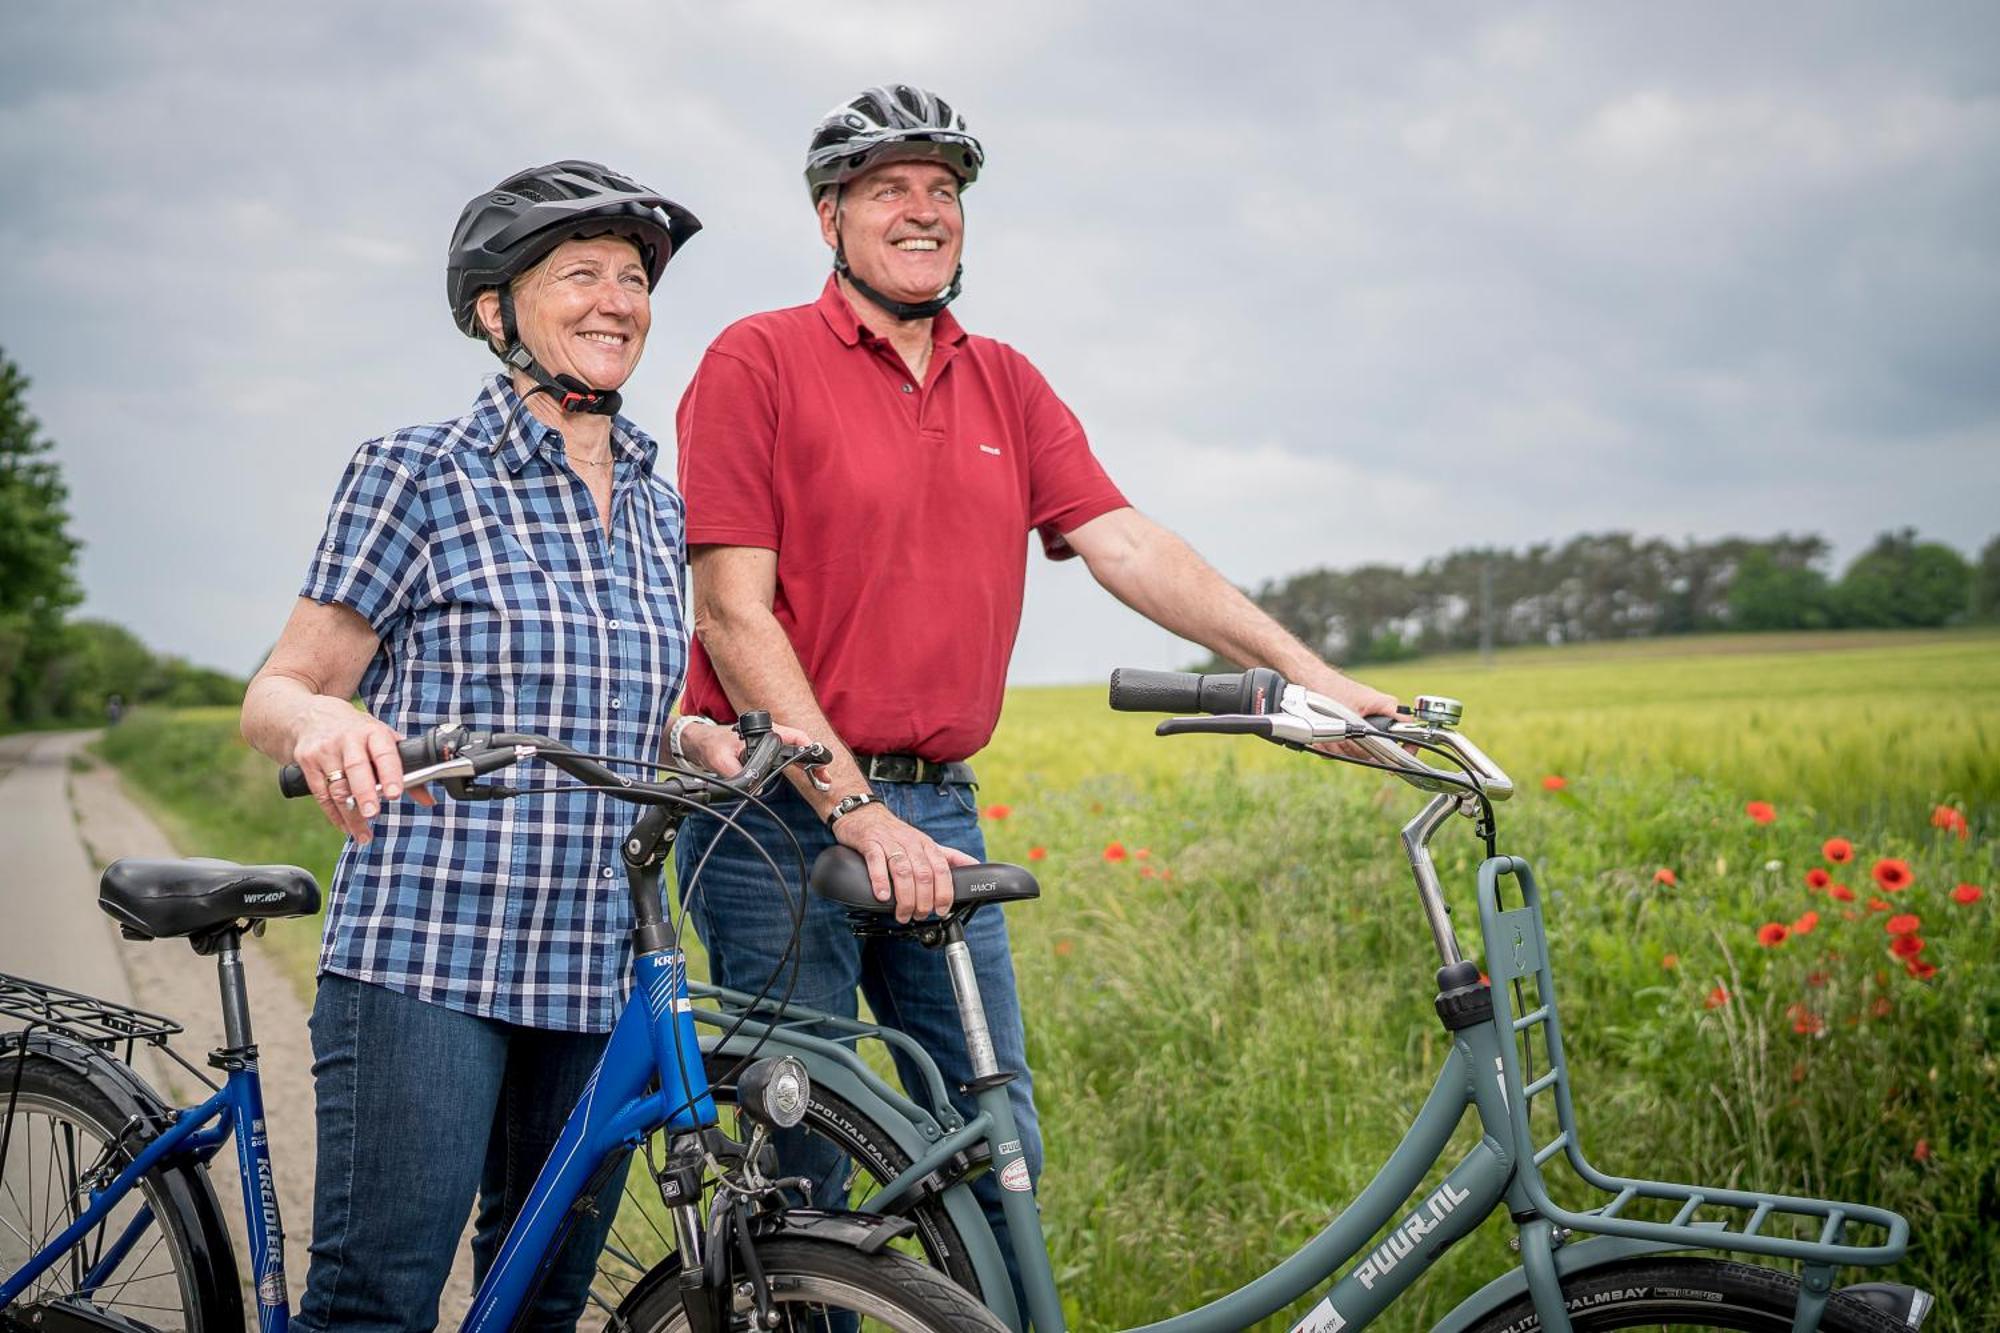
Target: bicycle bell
[(1438, 711)]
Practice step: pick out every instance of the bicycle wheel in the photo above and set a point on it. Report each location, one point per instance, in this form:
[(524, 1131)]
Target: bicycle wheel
[(640, 1237), (1688, 1293), (176, 1270), (814, 1283)]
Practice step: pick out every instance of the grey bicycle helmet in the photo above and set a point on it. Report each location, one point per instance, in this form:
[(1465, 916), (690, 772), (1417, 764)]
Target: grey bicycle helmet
[(508, 229), (889, 123)]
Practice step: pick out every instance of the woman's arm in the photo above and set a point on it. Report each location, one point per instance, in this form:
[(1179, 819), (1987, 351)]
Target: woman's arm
[(297, 710)]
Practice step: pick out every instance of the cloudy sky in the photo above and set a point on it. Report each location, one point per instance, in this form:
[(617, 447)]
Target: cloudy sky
[(1326, 283)]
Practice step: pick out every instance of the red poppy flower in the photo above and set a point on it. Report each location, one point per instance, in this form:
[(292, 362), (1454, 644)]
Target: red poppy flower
[(1919, 969), (1145, 872), (1772, 933), (1881, 1008), (1922, 1152), (1554, 782), (1815, 979), (1717, 998), (1665, 876), (1907, 946), (1761, 812), (1877, 905), (1064, 948), (1840, 892), (1115, 852), (1140, 853), (1038, 853), (1817, 878), (1166, 874), (1804, 1021), (1838, 850), (999, 811), (1903, 923), (1850, 915), (1951, 820), (1893, 875), (1967, 893), (1670, 961), (1806, 924)]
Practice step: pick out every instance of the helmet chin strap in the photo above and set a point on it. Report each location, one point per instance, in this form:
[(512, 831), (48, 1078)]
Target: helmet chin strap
[(570, 393), (901, 311)]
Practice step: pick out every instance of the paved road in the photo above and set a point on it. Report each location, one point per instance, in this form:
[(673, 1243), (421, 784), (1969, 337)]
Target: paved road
[(62, 818)]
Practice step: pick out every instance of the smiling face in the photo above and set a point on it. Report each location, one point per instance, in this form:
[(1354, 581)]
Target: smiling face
[(901, 227), (583, 311)]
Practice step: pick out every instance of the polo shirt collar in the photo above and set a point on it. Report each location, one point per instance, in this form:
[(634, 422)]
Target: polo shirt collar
[(531, 434), (847, 327)]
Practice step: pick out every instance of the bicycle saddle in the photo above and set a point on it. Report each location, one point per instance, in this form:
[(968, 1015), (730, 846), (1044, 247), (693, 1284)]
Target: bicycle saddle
[(168, 899), (840, 875)]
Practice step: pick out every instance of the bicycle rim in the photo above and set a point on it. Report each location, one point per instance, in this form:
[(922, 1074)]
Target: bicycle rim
[(56, 1148)]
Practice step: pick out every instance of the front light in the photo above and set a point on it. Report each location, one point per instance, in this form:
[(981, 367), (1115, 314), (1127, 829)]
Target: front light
[(775, 1093)]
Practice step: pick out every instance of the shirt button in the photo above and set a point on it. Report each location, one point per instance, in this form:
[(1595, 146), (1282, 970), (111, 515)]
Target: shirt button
[(909, 388), (614, 624), (607, 872), (614, 703)]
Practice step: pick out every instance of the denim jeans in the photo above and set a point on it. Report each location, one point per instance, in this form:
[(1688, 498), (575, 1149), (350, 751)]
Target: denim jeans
[(419, 1108), (744, 921)]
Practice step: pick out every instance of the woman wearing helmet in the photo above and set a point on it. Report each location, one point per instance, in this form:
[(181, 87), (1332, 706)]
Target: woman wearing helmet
[(519, 568)]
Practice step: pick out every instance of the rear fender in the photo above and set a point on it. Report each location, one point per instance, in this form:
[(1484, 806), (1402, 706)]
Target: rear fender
[(1571, 1259)]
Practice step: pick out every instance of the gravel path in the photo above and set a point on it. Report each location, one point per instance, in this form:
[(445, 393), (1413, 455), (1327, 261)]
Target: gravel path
[(62, 819)]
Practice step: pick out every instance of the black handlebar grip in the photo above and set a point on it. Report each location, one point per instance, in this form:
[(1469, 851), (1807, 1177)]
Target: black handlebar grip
[(416, 752), (1253, 691), (1136, 690), (1381, 721)]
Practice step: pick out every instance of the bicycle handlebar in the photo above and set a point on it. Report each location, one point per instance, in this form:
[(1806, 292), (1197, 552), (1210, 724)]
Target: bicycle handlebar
[(450, 751), (1260, 702)]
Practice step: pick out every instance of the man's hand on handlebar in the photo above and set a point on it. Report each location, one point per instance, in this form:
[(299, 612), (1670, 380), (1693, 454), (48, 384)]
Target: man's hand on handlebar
[(1363, 699), (903, 861)]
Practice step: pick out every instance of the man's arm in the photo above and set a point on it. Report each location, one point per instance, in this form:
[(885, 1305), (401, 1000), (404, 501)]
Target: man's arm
[(734, 589), (1162, 578)]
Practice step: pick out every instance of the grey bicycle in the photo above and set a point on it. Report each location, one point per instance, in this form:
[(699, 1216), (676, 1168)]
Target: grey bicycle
[(1640, 1255)]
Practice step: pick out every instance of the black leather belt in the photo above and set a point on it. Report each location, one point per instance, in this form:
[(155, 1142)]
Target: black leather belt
[(909, 768)]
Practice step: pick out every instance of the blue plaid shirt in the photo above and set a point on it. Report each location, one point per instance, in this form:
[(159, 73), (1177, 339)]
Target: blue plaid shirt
[(502, 602)]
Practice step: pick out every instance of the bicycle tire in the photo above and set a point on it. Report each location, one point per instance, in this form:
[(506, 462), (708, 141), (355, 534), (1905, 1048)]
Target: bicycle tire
[(629, 1256), (179, 1273), (1687, 1293), (808, 1279)]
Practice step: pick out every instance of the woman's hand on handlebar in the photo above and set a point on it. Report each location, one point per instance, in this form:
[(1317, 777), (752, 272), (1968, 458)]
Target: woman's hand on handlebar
[(349, 760), (720, 750)]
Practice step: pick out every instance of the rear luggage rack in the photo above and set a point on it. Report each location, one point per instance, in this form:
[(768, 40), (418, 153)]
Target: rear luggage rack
[(104, 1024), (1704, 1217)]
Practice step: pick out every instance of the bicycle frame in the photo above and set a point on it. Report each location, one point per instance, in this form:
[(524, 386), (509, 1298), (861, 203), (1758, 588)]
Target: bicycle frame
[(1484, 1073), (613, 1115)]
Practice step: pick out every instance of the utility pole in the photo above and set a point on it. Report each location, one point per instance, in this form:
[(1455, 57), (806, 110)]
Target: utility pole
[(1486, 611)]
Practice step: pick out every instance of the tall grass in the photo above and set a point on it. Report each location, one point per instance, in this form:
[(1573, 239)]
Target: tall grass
[(1231, 1026)]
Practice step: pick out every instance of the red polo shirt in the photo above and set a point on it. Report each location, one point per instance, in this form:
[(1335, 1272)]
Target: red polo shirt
[(899, 511)]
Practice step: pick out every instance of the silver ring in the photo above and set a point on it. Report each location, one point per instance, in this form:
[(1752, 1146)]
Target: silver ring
[(336, 775)]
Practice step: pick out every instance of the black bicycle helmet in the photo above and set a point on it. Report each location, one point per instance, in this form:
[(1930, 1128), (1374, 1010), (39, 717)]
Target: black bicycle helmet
[(889, 123), (507, 230)]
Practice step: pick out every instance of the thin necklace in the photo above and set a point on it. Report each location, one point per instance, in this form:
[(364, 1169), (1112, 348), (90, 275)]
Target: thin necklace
[(592, 462)]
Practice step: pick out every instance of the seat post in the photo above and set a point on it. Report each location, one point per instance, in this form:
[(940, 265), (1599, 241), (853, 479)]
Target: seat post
[(971, 1009), (235, 995)]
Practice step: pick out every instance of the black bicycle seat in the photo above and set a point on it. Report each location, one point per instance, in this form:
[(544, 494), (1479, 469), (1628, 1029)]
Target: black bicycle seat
[(840, 875), (165, 900)]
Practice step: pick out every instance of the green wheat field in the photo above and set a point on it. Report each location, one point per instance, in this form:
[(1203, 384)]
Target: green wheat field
[(1228, 979)]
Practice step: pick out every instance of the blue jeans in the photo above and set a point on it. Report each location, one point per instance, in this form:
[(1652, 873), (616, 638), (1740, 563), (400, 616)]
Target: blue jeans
[(419, 1108), (744, 921)]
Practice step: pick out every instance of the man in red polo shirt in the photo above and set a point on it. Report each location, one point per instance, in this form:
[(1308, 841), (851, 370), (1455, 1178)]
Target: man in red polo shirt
[(861, 475)]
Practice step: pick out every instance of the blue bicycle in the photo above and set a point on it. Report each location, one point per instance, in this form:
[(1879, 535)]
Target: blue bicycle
[(108, 1220)]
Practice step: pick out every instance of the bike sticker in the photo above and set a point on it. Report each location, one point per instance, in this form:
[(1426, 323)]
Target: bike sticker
[(1015, 1176), (1322, 1318)]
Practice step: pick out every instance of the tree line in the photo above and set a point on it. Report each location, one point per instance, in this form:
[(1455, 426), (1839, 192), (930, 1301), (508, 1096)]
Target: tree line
[(1616, 585), (53, 668)]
